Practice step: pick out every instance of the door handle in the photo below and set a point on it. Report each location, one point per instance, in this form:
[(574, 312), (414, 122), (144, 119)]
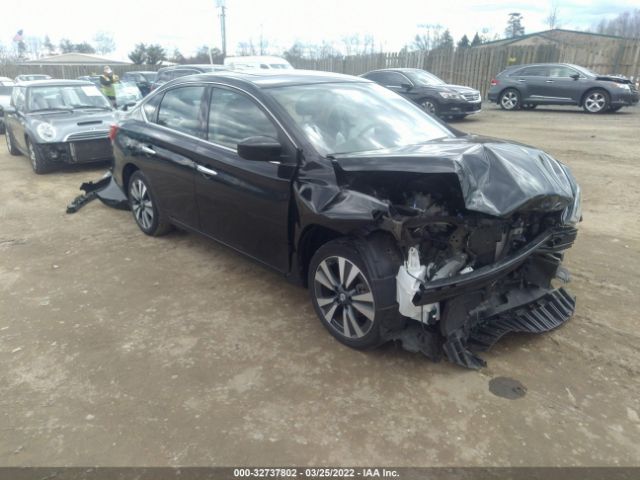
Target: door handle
[(548, 81), (205, 170), (147, 150)]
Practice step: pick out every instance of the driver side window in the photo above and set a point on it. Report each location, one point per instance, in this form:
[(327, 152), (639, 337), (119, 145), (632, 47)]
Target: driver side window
[(233, 117), (18, 98)]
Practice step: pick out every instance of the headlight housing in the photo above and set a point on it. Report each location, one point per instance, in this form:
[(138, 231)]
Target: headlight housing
[(624, 86), (46, 131), (450, 95)]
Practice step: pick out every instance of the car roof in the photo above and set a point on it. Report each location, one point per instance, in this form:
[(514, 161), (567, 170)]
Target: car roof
[(53, 82), (140, 71), (195, 65), (277, 78)]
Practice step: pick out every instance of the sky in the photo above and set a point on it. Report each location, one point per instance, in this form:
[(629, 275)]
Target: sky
[(188, 24)]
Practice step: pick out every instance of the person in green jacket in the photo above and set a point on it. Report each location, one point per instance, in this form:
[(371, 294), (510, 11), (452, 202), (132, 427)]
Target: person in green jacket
[(107, 81)]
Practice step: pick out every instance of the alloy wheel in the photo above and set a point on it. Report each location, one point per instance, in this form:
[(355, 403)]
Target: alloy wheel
[(344, 297), (429, 107), (595, 102), (509, 100), (141, 204)]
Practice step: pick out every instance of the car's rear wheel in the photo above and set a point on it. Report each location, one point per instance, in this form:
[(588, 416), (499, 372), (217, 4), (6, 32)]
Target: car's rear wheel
[(11, 143), (38, 163), (430, 106), (596, 101), (510, 99), (145, 208)]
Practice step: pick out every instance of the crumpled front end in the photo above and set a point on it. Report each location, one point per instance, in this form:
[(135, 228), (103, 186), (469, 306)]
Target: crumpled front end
[(483, 237)]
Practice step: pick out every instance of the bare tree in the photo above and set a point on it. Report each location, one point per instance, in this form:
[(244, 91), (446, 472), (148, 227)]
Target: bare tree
[(627, 24), (104, 43), (553, 19)]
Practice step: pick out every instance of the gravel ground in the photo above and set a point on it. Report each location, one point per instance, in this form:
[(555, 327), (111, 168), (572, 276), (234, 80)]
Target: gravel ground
[(120, 349)]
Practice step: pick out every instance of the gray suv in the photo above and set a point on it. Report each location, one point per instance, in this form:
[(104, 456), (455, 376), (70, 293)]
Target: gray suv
[(527, 86)]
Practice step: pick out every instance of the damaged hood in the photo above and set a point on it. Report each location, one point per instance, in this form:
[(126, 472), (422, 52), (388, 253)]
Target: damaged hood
[(496, 177)]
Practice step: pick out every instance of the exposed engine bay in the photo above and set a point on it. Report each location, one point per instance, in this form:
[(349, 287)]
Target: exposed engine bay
[(469, 278)]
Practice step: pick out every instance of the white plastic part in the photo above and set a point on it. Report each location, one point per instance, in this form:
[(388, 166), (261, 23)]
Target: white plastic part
[(410, 276)]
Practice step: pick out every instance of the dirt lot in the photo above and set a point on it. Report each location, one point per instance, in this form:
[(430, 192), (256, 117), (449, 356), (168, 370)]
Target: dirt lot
[(120, 349)]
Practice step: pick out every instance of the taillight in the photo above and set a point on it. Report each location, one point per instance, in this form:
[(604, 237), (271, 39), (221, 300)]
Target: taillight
[(494, 82), (113, 131)]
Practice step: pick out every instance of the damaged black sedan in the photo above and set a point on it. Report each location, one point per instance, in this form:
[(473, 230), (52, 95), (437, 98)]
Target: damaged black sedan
[(402, 228)]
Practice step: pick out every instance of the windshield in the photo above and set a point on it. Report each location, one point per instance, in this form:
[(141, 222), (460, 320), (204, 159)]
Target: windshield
[(52, 97), (585, 71), (356, 117), (424, 78), (150, 77), (5, 90)]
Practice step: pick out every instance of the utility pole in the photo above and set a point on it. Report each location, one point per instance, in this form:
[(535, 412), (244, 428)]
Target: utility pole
[(223, 26)]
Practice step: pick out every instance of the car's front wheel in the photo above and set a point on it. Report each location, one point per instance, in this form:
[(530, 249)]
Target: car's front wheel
[(38, 163), (347, 292), (144, 206), (11, 143), (510, 99), (596, 101), (430, 106)]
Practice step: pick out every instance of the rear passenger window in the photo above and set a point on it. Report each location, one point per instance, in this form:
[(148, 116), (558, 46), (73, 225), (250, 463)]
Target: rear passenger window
[(234, 116), (533, 72), (181, 110)]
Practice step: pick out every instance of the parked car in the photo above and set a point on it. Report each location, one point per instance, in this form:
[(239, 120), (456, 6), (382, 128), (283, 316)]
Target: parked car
[(261, 62), (6, 81), (55, 122), (95, 79), (431, 93), (527, 86), (5, 101), (402, 228), (142, 79), (175, 71), (32, 76)]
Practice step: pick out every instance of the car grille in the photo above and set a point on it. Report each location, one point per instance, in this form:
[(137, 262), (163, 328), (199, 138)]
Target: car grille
[(471, 97), (91, 150), (96, 134)]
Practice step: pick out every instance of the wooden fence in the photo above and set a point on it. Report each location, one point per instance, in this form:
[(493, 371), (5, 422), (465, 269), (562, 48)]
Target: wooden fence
[(476, 67)]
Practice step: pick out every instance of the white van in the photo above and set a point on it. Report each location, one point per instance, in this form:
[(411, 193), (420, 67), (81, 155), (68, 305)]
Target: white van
[(263, 62)]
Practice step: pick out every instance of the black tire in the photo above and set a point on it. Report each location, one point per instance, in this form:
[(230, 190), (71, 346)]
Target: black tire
[(361, 300), (11, 143), (529, 106), (510, 99), (144, 206), (430, 106), (615, 109), (38, 163), (596, 101)]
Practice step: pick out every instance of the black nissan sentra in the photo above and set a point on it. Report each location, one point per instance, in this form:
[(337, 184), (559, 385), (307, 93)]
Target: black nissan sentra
[(57, 122), (402, 228)]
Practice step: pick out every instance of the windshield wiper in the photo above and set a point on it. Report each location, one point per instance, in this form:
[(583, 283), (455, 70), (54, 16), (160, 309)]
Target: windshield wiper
[(104, 107), (52, 109)]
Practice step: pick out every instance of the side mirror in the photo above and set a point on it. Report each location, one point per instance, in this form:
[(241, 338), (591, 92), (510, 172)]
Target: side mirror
[(259, 148), (127, 106), (575, 76), (406, 86), (9, 109)]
